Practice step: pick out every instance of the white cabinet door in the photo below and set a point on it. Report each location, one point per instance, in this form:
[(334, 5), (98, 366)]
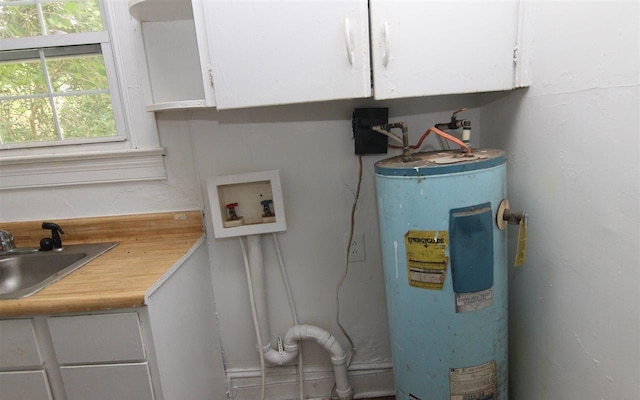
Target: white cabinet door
[(278, 52), (422, 48), (108, 382), (97, 338), (18, 344), (24, 385), (101, 338)]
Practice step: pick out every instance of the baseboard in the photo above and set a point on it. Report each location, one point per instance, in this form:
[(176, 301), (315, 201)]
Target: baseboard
[(367, 381)]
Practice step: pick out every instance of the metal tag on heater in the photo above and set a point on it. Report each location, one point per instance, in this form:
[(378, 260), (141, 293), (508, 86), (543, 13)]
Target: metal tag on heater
[(466, 302), (474, 383)]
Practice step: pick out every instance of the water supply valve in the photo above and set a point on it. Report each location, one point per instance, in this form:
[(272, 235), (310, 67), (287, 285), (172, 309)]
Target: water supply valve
[(231, 210), (266, 210), (506, 216), (456, 123), (267, 214), (233, 219)]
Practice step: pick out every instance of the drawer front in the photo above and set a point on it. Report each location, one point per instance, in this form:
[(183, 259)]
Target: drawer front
[(107, 382), (97, 338), (24, 385), (18, 344)]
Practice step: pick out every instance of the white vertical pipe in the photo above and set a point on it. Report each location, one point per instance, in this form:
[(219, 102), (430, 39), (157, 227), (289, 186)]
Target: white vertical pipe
[(256, 269), (254, 314)]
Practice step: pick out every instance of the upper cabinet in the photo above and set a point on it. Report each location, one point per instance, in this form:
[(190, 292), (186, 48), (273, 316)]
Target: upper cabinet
[(235, 54), (177, 53), (424, 48), (279, 52)]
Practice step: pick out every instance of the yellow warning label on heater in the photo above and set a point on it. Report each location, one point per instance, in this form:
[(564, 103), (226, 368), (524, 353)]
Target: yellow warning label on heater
[(426, 258)]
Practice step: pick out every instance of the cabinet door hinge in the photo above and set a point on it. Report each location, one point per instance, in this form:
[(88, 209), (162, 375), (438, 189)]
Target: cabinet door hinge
[(515, 54)]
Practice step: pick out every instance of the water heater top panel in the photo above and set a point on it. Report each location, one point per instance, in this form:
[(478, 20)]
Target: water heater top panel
[(440, 162)]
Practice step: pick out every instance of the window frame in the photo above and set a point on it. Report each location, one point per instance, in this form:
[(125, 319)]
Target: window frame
[(134, 154), (99, 39)]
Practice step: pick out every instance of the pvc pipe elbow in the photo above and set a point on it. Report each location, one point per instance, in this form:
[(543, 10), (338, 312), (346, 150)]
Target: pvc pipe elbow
[(331, 345), (291, 347), (339, 359), (319, 335), (345, 394), (274, 356)]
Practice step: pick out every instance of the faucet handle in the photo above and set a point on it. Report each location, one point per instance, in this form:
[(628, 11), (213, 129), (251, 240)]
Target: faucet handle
[(7, 240), (55, 233)]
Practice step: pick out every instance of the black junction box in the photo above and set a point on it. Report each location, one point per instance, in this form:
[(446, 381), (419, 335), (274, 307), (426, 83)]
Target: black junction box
[(368, 141)]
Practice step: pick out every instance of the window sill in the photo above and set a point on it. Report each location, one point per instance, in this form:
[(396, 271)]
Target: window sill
[(81, 168)]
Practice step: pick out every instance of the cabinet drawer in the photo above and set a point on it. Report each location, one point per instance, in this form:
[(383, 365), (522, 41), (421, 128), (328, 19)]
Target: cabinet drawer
[(97, 338), (108, 382), (18, 345), (24, 385)]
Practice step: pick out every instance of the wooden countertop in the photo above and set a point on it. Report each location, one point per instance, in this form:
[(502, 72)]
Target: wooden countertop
[(150, 247)]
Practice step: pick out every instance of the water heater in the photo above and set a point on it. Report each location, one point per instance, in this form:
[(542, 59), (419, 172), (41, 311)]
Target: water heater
[(445, 269)]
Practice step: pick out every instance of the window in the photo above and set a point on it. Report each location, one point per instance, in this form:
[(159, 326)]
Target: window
[(71, 98), (56, 93)]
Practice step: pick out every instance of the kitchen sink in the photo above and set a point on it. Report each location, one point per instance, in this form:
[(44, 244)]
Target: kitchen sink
[(25, 271)]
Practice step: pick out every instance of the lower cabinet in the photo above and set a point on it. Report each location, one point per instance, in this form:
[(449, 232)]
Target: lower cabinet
[(108, 382), (26, 385), (101, 356), (142, 353), (77, 357), (22, 373)]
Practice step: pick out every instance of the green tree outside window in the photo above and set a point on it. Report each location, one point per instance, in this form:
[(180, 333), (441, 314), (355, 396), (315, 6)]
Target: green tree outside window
[(52, 93)]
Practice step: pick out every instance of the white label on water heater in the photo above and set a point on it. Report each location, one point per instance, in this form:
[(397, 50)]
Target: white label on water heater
[(466, 302), (474, 383)]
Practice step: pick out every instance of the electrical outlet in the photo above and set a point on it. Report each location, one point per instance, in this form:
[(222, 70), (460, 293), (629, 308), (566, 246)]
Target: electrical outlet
[(356, 251)]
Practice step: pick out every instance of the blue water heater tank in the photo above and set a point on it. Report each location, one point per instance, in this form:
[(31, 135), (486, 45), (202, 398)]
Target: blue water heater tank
[(445, 268)]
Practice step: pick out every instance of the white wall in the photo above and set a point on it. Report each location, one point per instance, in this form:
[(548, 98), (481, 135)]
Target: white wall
[(312, 147), (572, 141), (179, 192)]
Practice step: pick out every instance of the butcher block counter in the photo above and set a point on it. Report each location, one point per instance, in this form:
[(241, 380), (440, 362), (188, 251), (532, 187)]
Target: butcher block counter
[(150, 248)]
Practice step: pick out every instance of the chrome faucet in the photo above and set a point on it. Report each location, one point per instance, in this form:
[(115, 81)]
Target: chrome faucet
[(7, 240)]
